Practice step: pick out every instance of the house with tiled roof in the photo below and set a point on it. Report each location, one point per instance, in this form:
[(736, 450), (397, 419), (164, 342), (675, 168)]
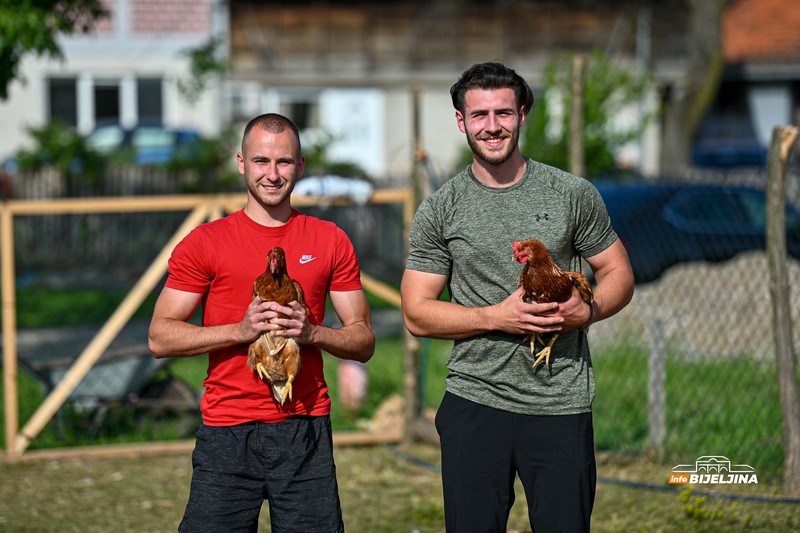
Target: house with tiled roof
[(760, 88), (127, 70), (376, 75)]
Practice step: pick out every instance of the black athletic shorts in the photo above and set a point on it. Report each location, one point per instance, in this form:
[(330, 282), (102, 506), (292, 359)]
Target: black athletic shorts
[(290, 464), (484, 449)]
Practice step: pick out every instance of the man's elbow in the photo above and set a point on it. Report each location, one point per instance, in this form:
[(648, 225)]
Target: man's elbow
[(628, 284), (368, 348), (413, 325), (155, 349)]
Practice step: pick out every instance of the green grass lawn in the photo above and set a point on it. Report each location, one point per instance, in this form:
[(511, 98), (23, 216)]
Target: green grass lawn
[(714, 407)]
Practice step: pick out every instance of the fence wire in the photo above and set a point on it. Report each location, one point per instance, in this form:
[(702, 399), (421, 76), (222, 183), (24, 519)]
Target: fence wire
[(702, 335), (687, 369)]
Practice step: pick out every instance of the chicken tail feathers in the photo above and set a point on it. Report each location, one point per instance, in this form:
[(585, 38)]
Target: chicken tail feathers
[(278, 389), (272, 344), (583, 286)]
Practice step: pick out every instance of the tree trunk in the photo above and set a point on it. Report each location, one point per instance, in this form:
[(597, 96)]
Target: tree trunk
[(687, 100)]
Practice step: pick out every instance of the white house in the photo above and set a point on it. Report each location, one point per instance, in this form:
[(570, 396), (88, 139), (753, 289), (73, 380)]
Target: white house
[(126, 71)]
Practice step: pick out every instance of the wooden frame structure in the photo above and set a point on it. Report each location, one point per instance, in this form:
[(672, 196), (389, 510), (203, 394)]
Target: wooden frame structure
[(201, 208)]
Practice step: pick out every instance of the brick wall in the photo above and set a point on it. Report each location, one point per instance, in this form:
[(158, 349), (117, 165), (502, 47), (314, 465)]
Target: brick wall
[(170, 16)]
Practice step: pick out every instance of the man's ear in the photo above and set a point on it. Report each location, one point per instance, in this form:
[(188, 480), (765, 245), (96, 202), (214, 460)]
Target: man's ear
[(460, 121), (523, 114)]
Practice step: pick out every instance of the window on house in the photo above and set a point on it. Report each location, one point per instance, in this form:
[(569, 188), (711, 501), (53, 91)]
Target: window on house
[(244, 103), (63, 100), (239, 108), (149, 99), (303, 112), (106, 101)]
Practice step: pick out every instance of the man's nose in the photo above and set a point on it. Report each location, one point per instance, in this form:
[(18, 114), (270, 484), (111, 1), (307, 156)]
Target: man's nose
[(492, 124)]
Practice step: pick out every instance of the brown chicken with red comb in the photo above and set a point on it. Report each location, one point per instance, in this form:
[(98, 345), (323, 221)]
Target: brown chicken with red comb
[(543, 282), (275, 358)]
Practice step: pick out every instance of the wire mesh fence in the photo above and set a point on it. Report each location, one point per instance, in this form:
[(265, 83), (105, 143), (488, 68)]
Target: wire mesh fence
[(686, 370)]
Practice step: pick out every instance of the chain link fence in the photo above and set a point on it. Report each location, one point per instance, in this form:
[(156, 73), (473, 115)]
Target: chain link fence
[(686, 370)]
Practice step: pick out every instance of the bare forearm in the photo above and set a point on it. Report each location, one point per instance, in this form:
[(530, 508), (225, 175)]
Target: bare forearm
[(439, 319), (427, 315), (354, 341), (175, 338), (613, 292)]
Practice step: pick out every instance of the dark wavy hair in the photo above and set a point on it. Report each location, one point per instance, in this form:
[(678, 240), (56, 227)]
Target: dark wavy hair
[(491, 75)]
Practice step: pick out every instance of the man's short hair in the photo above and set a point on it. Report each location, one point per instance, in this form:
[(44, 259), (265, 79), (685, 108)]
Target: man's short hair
[(273, 123), (491, 75)]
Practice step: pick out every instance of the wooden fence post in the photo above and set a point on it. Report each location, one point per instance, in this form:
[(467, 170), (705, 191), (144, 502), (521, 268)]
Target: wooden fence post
[(577, 150), (783, 139), (10, 393), (656, 386), (411, 354)]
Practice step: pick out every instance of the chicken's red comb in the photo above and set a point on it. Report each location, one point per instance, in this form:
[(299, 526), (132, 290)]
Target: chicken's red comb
[(515, 245)]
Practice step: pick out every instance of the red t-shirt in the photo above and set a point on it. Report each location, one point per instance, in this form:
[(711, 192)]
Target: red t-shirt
[(221, 260)]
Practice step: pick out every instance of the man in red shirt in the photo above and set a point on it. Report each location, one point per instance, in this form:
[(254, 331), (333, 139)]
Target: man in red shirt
[(249, 446)]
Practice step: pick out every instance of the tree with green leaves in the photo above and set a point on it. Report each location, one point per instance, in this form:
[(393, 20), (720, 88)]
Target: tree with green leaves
[(609, 89), (31, 27), (205, 62)]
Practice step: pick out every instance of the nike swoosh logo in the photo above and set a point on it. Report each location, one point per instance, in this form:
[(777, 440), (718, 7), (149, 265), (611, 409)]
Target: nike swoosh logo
[(306, 259)]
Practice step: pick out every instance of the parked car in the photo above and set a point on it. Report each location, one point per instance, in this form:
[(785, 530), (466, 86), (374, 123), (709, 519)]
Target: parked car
[(728, 142), (663, 225), (358, 190), (151, 144)]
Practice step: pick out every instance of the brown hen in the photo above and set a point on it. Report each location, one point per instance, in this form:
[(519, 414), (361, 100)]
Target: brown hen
[(274, 358), (543, 282)]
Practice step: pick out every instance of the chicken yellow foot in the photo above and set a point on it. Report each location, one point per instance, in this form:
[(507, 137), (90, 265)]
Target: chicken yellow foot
[(287, 390), (544, 353), (262, 372), (283, 392)]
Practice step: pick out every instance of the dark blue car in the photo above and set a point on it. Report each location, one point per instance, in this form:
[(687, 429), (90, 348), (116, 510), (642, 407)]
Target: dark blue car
[(663, 225), (150, 144)]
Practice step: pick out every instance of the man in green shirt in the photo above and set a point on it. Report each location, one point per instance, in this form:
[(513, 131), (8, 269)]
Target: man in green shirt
[(500, 416)]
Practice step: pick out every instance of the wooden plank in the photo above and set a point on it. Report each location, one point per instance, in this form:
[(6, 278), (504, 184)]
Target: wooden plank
[(108, 450), (203, 206), (106, 335), (60, 206), (380, 289), (357, 438), (9, 312), (181, 447)]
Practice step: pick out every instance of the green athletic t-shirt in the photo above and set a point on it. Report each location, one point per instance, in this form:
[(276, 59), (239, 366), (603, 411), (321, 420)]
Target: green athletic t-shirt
[(465, 231)]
